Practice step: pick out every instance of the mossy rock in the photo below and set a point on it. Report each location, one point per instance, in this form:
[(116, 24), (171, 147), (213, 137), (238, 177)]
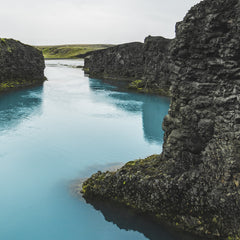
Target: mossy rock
[(21, 65), (136, 84)]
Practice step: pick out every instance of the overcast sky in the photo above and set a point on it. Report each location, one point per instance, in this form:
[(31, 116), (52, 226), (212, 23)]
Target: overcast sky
[(47, 22)]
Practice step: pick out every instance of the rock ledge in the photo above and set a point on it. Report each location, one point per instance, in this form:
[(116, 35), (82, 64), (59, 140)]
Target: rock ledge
[(20, 65)]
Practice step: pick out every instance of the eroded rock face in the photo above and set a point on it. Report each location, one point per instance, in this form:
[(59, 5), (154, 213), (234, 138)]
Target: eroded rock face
[(146, 63), (202, 133), (156, 63), (124, 61), (20, 65), (195, 183)]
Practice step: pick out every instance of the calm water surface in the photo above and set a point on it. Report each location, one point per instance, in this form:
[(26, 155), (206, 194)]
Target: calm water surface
[(68, 129)]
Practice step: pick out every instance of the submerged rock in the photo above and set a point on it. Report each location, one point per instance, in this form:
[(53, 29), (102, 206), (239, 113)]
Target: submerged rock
[(195, 183), (20, 65)]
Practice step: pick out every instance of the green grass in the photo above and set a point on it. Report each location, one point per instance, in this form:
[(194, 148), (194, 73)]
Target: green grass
[(70, 51)]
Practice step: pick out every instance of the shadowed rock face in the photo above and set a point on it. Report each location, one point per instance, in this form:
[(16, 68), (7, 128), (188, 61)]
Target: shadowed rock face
[(20, 65), (147, 63), (122, 62), (195, 183), (156, 63), (205, 85)]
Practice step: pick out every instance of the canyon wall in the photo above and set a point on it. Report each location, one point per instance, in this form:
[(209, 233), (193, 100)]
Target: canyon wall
[(121, 62), (20, 65), (195, 183), (143, 64), (156, 64)]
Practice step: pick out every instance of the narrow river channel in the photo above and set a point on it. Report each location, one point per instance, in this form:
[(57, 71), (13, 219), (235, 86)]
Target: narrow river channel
[(67, 129)]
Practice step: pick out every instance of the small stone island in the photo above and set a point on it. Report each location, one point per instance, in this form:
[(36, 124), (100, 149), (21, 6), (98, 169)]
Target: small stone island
[(194, 184), (21, 65)]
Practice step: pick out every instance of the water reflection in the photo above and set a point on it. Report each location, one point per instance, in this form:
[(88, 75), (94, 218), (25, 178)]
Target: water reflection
[(129, 219), (153, 112), (153, 108), (19, 105)]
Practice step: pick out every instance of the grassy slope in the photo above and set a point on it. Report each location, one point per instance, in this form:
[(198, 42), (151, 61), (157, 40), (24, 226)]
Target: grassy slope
[(69, 51)]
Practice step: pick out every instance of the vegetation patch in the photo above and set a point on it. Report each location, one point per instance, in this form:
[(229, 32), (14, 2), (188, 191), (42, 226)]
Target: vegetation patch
[(136, 84), (70, 51), (20, 83), (140, 86)]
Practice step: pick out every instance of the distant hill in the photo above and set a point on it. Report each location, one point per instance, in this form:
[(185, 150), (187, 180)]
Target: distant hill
[(70, 51)]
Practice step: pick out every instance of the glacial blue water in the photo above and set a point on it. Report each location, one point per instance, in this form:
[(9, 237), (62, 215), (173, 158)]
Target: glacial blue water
[(64, 130)]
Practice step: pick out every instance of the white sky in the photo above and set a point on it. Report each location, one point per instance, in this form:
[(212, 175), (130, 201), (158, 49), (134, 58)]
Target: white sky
[(47, 22)]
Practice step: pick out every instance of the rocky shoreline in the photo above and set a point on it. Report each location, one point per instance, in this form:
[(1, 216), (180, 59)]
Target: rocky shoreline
[(142, 66), (194, 184), (21, 65)]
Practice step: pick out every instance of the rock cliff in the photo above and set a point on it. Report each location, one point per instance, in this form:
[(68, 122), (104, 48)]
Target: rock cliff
[(156, 64), (195, 183), (20, 65), (123, 61), (143, 64)]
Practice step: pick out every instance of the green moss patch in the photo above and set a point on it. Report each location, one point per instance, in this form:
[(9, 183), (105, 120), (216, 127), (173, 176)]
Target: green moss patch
[(140, 86), (136, 84), (19, 83)]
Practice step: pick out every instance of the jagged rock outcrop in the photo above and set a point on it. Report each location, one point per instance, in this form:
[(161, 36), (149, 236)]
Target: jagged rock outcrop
[(195, 183), (156, 64), (20, 65), (123, 61), (146, 65)]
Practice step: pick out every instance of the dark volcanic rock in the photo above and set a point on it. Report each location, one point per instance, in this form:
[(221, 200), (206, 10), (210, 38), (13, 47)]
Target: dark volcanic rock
[(20, 65), (146, 63), (124, 61), (195, 183), (156, 64)]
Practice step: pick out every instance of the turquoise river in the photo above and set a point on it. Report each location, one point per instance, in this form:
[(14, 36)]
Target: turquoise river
[(65, 130)]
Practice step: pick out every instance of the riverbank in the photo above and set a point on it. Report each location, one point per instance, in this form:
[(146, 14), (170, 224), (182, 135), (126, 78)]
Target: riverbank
[(54, 129), (143, 185), (21, 65), (145, 66), (194, 183), (20, 84)]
